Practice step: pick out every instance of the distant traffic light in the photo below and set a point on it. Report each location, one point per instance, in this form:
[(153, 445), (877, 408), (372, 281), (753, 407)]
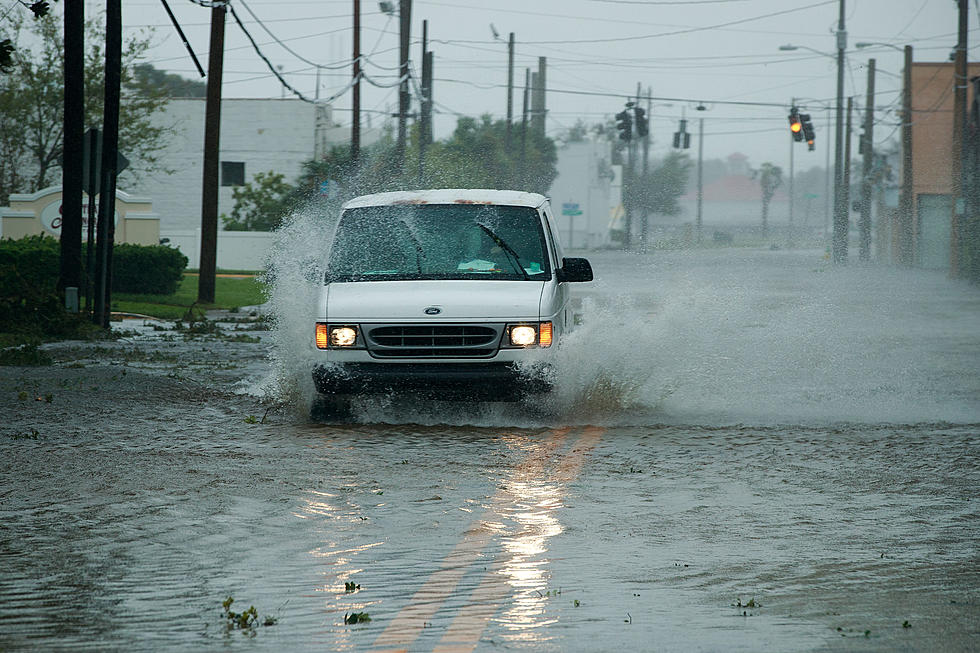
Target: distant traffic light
[(642, 124), (808, 132), (682, 140), (795, 125), (624, 123)]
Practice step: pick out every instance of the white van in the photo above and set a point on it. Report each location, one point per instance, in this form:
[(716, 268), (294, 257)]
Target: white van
[(447, 294)]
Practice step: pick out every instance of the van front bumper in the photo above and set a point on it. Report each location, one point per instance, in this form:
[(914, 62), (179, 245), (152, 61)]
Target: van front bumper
[(492, 381)]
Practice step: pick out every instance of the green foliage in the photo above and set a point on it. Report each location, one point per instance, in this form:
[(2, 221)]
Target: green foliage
[(770, 178), (662, 187), (29, 271), (150, 269), (27, 355), (356, 618), (475, 156), (261, 204), (32, 102), (29, 301), (146, 77), (245, 621)]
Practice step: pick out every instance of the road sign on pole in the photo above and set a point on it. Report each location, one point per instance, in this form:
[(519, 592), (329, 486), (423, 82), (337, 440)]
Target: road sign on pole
[(570, 208)]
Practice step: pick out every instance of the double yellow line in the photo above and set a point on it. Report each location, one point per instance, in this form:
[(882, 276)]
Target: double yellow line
[(471, 620)]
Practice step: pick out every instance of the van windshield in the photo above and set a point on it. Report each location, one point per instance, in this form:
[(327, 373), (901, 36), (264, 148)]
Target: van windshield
[(439, 241)]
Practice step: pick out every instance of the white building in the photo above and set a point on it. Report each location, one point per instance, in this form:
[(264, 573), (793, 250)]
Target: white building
[(257, 135), (584, 176)]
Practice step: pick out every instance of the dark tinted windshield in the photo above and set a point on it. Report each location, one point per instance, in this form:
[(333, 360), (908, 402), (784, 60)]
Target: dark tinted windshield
[(439, 241)]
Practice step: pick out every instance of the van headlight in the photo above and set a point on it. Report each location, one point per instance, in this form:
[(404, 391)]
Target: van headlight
[(530, 335), (338, 336)]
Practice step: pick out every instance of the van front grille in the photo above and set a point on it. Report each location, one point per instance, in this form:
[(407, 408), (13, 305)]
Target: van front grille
[(433, 341)]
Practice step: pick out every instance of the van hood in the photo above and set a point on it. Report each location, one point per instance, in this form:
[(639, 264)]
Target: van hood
[(386, 301)]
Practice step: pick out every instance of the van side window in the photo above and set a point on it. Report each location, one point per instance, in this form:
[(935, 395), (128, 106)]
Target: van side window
[(551, 241)]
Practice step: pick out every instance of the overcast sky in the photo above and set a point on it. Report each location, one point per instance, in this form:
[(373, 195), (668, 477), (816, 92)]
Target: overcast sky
[(723, 54)]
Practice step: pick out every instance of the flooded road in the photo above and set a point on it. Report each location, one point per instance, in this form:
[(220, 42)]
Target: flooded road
[(748, 451)]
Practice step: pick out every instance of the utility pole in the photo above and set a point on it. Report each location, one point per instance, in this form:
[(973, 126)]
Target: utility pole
[(868, 151), (355, 126), (538, 102), (110, 146), (906, 251), (645, 225), (72, 158), (523, 166), (212, 154), (424, 105), (510, 89), (792, 174), (846, 190), (404, 99), (840, 202), (960, 85), (627, 188), (698, 221)]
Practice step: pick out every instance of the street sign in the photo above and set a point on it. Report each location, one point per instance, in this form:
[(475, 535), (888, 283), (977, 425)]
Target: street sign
[(570, 208)]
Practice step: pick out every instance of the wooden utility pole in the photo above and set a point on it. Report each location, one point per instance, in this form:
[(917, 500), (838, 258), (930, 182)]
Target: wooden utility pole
[(864, 252), (212, 151), (73, 155), (960, 85), (424, 105), (645, 225), (839, 243), (523, 166), (355, 128), (906, 240), (510, 89), (846, 188), (538, 102), (404, 99), (110, 146)]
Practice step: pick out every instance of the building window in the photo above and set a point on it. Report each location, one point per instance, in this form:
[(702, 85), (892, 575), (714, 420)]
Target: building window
[(232, 173)]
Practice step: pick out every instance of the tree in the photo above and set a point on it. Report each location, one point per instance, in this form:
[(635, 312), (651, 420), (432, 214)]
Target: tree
[(261, 204), (32, 103), (770, 178), (148, 78), (662, 187)]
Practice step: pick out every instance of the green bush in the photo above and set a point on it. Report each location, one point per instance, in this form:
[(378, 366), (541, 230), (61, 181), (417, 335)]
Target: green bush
[(29, 272), (147, 269)]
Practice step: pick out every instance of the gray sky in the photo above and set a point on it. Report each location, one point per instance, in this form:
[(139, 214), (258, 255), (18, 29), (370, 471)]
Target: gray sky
[(709, 51)]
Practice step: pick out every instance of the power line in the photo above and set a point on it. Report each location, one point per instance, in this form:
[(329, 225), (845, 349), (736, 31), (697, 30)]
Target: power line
[(661, 34)]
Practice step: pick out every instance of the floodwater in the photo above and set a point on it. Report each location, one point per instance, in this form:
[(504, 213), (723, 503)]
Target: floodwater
[(747, 451)]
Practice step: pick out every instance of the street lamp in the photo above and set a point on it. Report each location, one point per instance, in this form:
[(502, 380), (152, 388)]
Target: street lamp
[(906, 202)]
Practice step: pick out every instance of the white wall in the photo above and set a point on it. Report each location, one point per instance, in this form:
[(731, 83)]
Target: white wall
[(237, 250)]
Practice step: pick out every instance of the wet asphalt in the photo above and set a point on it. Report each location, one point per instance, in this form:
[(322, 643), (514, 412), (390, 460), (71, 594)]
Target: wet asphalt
[(782, 458)]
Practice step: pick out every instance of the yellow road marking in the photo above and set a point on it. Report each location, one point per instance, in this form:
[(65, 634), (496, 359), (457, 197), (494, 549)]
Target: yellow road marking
[(408, 624), (468, 626)]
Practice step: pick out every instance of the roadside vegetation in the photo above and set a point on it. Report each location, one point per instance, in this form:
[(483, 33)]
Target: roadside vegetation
[(230, 293)]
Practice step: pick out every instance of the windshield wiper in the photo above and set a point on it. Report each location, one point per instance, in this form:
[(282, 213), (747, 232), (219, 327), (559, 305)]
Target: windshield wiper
[(507, 248), (419, 253)]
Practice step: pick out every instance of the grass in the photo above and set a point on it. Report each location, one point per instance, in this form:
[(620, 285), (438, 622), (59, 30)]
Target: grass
[(228, 293)]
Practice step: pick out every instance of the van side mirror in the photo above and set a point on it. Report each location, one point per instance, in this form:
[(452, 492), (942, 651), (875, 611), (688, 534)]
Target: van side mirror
[(574, 270)]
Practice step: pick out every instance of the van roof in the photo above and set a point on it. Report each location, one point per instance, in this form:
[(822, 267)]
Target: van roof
[(450, 196)]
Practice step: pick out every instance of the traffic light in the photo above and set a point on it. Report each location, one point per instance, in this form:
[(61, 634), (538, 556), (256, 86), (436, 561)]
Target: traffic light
[(642, 124), (808, 133), (681, 138), (624, 123), (795, 125)]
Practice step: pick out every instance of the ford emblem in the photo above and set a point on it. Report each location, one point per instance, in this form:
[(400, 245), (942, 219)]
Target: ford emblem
[(433, 310)]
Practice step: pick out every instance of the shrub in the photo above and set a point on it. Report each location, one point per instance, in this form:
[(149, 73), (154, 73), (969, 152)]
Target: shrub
[(29, 271), (147, 269)]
